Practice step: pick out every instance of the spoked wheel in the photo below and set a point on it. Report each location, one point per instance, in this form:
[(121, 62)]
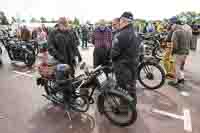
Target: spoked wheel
[(80, 104), (151, 75), (29, 58), (119, 110), (158, 53)]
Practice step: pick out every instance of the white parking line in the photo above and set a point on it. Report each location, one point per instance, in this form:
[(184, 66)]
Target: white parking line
[(187, 120), (23, 74), (168, 114), (186, 117)]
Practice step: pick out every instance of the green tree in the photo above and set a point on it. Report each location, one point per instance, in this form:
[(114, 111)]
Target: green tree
[(23, 20), (33, 20), (43, 19), (76, 21), (88, 22), (3, 18), (53, 20)]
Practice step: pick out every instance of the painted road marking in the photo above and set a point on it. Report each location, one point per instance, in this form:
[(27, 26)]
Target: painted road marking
[(23, 74), (186, 117), (185, 94), (187, 120), (167, 114)]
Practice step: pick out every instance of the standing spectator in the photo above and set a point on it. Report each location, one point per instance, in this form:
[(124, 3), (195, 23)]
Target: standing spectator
[(115, 26), (124, 54), (61, 44), (76, 44), (41, 35), (25, 34), (181, 45), (84, 36), (187, 29), (194, 36), (45, 29), (34, 34), (102, 40), (150, 27)]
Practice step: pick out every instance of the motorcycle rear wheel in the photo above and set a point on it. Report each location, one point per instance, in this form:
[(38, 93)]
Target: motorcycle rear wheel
[(128, 109), (29, 58)]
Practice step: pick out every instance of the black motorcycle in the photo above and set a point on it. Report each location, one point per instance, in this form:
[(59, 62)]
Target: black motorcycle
[(149, 72), (113, 102), (152, 43), (19, 50)]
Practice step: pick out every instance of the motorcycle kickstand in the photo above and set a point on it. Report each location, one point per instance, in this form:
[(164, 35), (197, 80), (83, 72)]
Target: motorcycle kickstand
[(67, 113)]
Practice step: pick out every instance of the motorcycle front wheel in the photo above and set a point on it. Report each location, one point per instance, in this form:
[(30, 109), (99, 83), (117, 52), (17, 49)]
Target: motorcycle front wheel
[(151, 75), (80, 103), (118, 109)]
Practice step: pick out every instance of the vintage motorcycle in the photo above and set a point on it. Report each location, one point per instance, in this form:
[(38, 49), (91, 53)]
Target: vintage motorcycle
[(113, 102), (19, 50), (152, 43)]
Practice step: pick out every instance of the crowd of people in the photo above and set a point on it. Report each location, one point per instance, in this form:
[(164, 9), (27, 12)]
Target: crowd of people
[(119, 44)]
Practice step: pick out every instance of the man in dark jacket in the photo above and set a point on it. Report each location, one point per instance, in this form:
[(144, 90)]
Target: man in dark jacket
[(84, 37), (124, 54), (115, 26), (76, 44), (25, 34), (61, 44), (102, 40)]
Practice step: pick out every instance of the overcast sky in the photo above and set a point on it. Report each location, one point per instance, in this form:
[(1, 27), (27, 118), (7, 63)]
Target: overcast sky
[(96, 9)]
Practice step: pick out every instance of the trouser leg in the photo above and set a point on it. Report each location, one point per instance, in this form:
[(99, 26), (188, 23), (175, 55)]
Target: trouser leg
[(180, 59), (125, 80)]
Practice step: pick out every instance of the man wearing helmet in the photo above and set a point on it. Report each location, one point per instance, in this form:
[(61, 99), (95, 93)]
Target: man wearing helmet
[(124, 54)]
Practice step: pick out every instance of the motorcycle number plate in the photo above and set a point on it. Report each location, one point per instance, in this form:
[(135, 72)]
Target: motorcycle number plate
[(102, 78), (23, 46)]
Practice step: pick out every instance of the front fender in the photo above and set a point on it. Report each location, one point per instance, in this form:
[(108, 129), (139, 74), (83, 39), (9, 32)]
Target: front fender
[(122, 93)]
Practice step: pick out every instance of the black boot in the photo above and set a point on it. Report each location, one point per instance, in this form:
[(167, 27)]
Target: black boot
[(1, 62)]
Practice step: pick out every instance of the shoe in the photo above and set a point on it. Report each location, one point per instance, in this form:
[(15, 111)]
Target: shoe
[(173, 83), (1, 63), (181, 81)]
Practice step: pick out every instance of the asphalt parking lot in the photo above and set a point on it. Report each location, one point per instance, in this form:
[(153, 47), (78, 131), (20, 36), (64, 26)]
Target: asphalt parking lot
[(167, 110)]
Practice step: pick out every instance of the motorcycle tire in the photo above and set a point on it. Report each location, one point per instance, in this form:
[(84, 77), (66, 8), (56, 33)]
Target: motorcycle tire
[(29, 58), (11, 54), (80, 107), (131, 109), (156, 53), (1, 51), (145, 66)]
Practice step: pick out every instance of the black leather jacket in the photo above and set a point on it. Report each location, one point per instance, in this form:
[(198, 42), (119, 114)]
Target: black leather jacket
[(125, 48), (61, 46)]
